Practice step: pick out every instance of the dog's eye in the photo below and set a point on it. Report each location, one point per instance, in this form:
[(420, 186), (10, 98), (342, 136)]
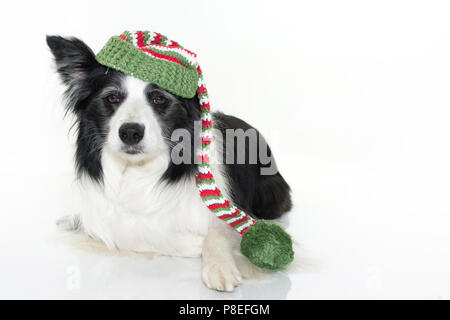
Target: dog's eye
[(113, 99), (159, 100)]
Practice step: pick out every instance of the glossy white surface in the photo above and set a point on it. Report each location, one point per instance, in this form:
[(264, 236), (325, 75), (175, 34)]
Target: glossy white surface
[(388, 255)]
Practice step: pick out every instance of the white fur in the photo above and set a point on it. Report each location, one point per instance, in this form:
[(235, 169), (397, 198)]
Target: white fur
[(133, 210)]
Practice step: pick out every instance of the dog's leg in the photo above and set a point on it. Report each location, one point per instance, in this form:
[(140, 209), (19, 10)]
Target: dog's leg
[(219, 270), (69, 223)]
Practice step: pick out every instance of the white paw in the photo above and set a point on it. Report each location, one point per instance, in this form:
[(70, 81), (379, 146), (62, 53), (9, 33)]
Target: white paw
[(221, 276)]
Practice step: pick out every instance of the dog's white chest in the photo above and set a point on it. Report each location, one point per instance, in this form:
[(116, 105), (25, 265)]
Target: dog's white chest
[(135, 211)]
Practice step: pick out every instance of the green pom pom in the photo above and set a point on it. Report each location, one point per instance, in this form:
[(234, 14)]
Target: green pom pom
[(267, 245)]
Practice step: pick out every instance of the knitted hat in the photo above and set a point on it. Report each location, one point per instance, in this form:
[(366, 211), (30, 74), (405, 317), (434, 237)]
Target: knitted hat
[(152, 57)]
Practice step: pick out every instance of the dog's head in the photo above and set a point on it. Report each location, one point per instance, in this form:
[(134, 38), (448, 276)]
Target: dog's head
[(131, 118)]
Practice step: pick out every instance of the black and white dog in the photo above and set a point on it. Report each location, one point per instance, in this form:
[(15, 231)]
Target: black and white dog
[(135, 197)]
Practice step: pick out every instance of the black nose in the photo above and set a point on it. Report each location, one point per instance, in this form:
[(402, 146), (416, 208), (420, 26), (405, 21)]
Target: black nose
[(131, 133)]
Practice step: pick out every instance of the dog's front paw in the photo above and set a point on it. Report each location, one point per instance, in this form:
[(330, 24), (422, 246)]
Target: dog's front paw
[(221, 276)]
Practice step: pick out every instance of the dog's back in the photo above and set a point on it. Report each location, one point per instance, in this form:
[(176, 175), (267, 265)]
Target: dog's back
[(256, 184)]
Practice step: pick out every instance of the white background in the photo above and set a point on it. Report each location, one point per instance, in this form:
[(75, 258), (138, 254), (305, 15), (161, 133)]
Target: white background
[(353, 97)]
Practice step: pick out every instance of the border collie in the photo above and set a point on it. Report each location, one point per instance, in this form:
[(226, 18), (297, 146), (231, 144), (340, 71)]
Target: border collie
[(135, 198)]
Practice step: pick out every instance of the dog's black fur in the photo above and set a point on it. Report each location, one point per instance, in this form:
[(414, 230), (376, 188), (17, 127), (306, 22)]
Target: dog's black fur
[(263, 196)]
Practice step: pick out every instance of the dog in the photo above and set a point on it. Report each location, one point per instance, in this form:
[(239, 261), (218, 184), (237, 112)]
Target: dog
[(135, 197)]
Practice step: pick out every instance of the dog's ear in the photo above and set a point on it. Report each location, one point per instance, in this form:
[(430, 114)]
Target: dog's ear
[(74, 59), (74, 62)]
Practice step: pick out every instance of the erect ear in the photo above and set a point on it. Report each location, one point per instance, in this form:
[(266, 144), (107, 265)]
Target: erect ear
[(74, 62)]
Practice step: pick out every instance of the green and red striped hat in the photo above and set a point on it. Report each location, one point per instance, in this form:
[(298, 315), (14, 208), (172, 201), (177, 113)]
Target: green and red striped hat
[(152, 57)]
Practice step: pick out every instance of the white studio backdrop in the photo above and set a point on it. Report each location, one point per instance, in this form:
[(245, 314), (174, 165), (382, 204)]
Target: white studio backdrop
[(353, 97)]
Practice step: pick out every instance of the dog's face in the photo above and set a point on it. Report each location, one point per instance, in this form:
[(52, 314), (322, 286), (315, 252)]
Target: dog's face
[(138, 118), (131, 118)]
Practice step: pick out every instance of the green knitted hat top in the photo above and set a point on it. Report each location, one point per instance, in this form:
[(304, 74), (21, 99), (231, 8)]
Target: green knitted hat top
[(152, 57)]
